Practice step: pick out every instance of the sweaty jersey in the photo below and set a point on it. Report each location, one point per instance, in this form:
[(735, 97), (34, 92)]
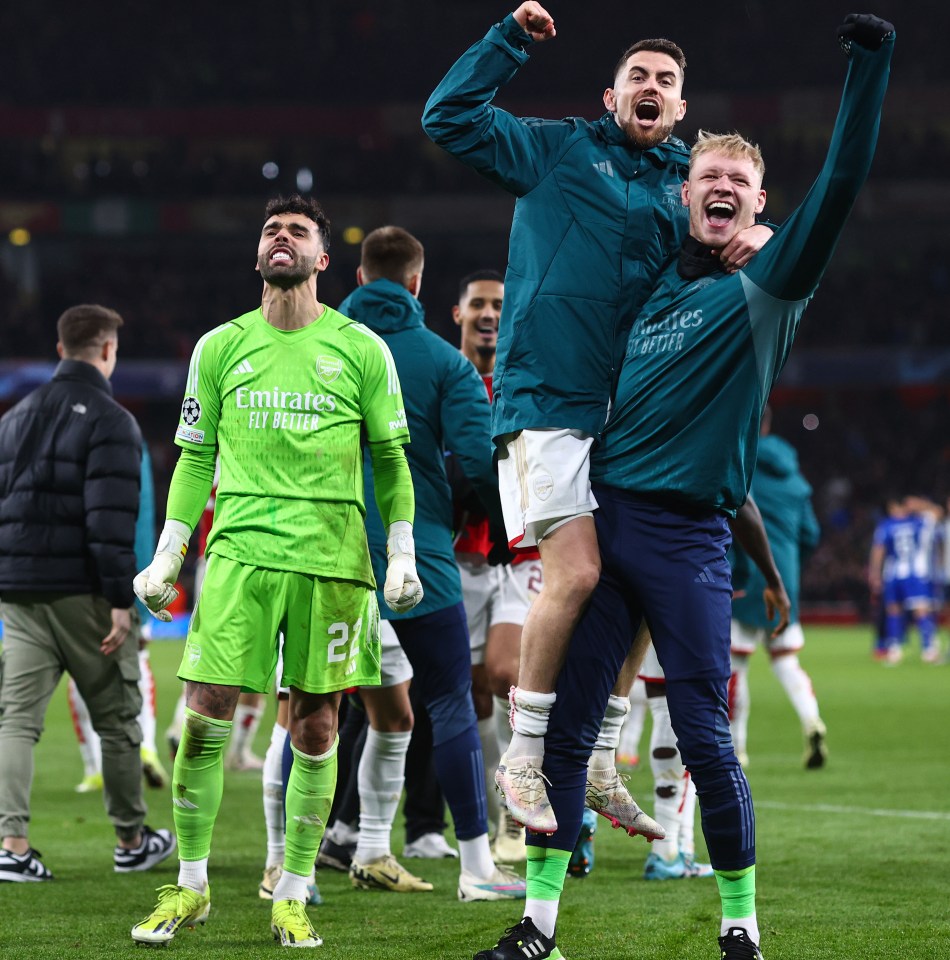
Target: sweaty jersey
[(286, 410), (707, 347)]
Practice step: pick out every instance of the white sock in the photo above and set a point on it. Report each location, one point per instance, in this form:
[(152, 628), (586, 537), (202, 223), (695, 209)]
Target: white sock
[(490, 758), (632, 729), (688, 817), (193, 874), (797, 685), (529, 722), (342, 834), (90, 748), (292, 886), (668, 779), (475, 856), (739, 703), (381, 774), (543, 913), (147, 713), (178, 719), (604, 755), (247, 718), (501, 717), (749, 924), (272, 776)]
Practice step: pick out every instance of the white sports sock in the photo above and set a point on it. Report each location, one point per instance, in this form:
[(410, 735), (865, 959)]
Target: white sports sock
[(247, 718), (292, 886), (382, 772), (501, 716), (632, 729), (89, 747), (797, 685), (740, 702), (178, 719), (668, 779), (604, 754), (272, 776), (193, 874), (749, 924), (475, 856), (490, 758), (688, 817), (543, 913), (147, 713), (529, 721)]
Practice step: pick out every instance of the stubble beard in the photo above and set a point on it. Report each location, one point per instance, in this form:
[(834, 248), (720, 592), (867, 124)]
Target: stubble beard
[(645, 139), (283, 277)]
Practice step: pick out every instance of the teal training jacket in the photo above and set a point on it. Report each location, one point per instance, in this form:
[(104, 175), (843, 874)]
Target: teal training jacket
[(447, 408), (594, 221), (705, 351)]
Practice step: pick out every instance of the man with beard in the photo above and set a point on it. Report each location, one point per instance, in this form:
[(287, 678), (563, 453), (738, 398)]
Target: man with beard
[(675, 463), (282, 394), (597, 212)]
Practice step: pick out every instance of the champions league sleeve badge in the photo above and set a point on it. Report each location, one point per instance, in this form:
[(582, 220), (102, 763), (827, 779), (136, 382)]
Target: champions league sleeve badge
[(190, 411)]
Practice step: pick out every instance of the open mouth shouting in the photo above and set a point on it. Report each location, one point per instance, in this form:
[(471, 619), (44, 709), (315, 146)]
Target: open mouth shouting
[(647, 111), (720, 213)]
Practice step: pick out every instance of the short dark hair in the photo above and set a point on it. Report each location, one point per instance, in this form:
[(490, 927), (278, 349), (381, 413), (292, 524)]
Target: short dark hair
[(305, 206), (658, 45), (86, 326), (477, 275), (391, 253)]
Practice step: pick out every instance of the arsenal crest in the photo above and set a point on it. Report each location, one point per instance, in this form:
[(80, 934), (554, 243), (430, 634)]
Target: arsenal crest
[(329, 368)]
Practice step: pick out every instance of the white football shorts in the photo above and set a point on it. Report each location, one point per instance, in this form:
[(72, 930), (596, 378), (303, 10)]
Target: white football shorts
[(494, 595), (544, 481)]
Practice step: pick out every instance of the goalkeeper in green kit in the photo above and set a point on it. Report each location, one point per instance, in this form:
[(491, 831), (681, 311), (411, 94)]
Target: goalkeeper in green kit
[(283, 395)]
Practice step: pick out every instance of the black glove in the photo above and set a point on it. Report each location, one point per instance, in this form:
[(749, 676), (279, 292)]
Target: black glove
[(499, 554), (865, 30)]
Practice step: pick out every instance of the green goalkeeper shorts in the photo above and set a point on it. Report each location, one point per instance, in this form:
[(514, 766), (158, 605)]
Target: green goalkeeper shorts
[(330, 627)]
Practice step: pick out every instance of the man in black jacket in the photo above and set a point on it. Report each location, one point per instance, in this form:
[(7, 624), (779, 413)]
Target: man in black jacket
[(70, 465)]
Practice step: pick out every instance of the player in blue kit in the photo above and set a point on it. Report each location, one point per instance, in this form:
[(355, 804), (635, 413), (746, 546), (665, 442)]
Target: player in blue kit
[(901, 570), (675, 463)]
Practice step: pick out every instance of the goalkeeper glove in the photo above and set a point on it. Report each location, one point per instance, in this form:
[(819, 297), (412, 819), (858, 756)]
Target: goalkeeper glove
[(155, 585), (865, 30), (402, 589)]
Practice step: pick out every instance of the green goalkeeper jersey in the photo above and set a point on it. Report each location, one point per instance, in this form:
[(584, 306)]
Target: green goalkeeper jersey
[(286, 411)]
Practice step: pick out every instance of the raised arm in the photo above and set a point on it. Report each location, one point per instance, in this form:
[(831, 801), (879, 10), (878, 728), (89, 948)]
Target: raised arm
[(459, 116), (790, 265)]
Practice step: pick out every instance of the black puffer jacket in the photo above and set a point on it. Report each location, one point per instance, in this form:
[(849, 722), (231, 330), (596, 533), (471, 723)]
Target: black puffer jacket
[(70, 468)]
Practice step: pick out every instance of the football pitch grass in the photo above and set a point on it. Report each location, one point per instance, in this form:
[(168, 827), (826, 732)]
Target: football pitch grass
[(854, 859)]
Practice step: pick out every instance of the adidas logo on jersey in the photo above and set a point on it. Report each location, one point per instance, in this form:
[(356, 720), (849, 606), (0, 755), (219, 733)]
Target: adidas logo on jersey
[(243, 367)]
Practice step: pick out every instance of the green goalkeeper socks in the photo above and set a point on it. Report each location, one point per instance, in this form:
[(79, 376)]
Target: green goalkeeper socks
[(737, 892), (547, 869), (198, 782), (308, 798)]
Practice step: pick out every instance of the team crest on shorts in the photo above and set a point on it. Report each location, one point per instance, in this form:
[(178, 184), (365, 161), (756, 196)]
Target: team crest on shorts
[(190, 411), (543, 486), (329, 368), (194, 653)]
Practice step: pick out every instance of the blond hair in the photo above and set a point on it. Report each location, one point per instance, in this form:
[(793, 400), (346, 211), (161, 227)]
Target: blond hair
[(731, 145)]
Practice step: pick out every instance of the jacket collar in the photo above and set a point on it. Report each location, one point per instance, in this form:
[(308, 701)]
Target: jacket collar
[(384, 307), (697, 260), (668, 149), (83, 372)]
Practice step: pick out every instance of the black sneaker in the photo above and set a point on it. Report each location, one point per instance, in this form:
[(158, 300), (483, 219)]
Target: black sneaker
[(736, 944), (156, 846), (23, 868), (336, 856), (524, 940)]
